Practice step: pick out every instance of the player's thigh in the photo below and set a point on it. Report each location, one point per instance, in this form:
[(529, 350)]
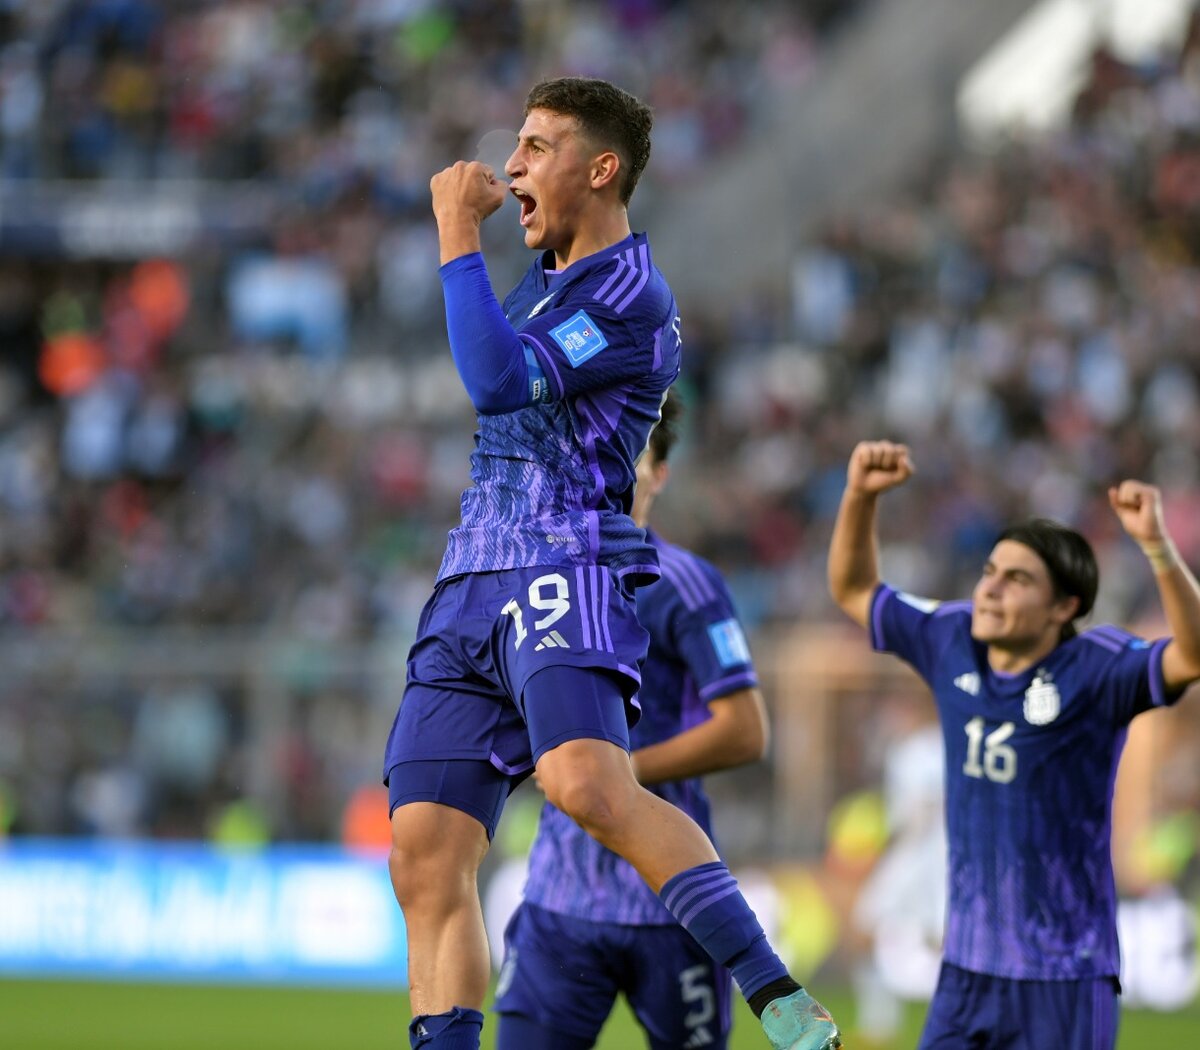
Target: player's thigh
[(470, 786), (567, 625), (678, 994), (1068, 1015), (558, 976)]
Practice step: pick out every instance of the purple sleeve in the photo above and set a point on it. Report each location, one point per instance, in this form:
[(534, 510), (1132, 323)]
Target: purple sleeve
[(712, 644), (1129, 672), (489, 355), (591, 340), (911, 627)]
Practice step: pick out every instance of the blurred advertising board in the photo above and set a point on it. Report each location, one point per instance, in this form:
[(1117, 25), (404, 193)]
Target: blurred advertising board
[(308, 914)]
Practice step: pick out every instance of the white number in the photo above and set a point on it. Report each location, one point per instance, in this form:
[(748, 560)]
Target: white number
[(999, 759), (514, 610), (695, 986), (555, 606)]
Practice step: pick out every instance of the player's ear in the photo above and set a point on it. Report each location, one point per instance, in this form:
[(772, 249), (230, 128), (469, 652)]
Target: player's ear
[(606, 169), (662, 471), (1065, 609)]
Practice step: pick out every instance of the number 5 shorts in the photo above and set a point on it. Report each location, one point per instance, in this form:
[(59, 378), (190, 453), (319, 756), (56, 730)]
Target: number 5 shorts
[(481, 637)]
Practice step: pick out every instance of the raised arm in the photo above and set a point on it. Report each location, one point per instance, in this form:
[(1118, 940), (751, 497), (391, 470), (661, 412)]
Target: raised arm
[(1139, 508), (464, 194), (875, 467), (736, 734), (488, 353)]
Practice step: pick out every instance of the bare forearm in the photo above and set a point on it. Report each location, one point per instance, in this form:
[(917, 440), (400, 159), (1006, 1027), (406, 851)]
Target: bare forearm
[(853, 560), (720, 743), (457, 237), (1180, 597)]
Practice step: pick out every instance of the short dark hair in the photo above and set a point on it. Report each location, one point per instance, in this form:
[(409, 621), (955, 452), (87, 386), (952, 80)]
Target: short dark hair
[(1068, 558), (666, 430), (613, 118)]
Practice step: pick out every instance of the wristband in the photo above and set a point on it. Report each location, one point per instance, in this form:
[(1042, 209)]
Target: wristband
[(1162, 555)]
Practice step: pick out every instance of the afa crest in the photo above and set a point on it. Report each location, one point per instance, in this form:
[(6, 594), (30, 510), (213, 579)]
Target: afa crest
[(1042, 699)]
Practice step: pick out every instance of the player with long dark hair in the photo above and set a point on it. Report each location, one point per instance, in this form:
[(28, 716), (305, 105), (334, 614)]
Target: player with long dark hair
[(1034, 715)]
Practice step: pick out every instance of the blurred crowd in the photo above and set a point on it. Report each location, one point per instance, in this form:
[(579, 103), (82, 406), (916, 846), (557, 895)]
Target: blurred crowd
[(340, 94), (271, 441), (1025, 319)]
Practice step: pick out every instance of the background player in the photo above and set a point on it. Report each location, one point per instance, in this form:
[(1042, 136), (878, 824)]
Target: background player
[(589, 927), (1033, 718), (527, 652)]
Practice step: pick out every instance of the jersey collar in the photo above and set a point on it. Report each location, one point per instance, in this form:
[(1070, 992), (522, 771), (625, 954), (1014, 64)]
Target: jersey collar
[(546, 261)]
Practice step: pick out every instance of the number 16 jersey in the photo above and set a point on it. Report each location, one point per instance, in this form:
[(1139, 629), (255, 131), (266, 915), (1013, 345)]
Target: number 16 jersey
[(1031, 760)]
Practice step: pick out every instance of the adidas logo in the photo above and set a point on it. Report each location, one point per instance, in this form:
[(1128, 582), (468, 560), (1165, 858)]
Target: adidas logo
[(968, 683), (700, 1037), (553, 640)]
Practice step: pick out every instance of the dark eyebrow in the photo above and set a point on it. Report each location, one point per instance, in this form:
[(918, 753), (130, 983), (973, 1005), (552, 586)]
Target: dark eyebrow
[(1015, 572), (530, 140)]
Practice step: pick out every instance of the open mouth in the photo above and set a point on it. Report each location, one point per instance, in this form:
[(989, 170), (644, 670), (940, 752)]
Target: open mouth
[(528, 206)]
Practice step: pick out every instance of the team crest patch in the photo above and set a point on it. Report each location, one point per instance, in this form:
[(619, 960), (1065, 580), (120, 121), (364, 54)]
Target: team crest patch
[(579, 338), (540, 306), (729, 643), (1042, 700)]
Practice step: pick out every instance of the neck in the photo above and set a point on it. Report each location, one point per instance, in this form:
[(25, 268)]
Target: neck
[(1009, 660), (612, 228)]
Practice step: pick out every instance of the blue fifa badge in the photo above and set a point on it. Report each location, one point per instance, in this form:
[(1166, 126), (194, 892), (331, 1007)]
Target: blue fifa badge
[(729, 643), (579, 338)]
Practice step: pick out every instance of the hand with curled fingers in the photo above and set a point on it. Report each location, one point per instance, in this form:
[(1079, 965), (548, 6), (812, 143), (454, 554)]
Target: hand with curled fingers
[(876, 466), (468, 190)]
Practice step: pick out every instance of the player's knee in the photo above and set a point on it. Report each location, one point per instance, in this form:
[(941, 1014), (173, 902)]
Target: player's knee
[(431, 871), (428, 880), (597, 807)]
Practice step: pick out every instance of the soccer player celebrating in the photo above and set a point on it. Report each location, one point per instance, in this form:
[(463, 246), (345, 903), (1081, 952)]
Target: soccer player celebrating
[(1033, 718), (527, 653), (590, 927)]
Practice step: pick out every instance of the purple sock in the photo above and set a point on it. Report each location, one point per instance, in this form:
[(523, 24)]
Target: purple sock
[(457, 1030), (707, 903)]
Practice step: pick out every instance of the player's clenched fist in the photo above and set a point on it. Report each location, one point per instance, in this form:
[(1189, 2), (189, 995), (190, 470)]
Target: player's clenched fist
[(467, 190), (876, 466), (1139, 508)]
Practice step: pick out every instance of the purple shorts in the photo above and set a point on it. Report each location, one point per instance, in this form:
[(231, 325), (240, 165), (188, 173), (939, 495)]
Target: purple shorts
[(561, 977), (976, 1009), (480, 639)]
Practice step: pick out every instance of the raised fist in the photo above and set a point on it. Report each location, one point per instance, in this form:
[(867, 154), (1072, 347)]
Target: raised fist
[(876, 466)]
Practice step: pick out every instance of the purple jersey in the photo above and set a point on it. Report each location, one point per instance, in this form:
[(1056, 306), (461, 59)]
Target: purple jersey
[(1031, 760), (553, 483), (697, 654)]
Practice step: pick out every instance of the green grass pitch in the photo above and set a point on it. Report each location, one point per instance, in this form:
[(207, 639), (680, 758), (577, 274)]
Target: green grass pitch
[(64, 1015)]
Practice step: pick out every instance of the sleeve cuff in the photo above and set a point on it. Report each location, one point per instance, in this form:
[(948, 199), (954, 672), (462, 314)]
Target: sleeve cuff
[(546, 360), (464, 263), (729, 684), (1159, 696), (881, 595)]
